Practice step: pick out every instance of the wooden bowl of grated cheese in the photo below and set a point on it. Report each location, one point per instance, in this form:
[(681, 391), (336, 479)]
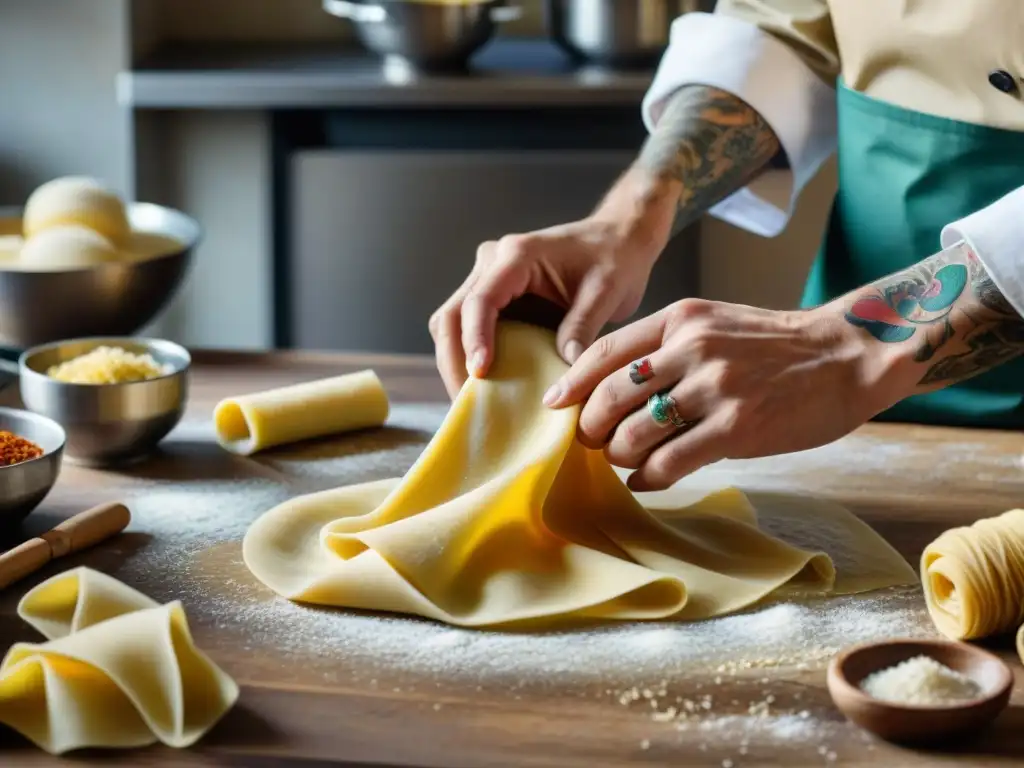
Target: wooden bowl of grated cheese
[(919, 691), (116, 398)]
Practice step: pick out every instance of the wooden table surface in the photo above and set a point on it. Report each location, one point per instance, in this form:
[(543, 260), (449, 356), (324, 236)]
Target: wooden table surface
[(310, 701)]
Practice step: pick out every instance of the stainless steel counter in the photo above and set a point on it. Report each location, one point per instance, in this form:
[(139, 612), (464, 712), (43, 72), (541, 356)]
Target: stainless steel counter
[(508, 73)]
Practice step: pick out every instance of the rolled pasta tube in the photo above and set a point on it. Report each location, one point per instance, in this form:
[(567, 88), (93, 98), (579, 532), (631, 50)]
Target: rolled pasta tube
[(252, 423), (973, 578)]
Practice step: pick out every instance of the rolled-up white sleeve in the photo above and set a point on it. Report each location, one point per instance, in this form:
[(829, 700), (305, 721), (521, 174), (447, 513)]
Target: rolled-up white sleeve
[(737, 56), (996, 236)]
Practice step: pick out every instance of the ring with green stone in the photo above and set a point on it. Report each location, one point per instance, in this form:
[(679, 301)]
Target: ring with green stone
[(662, 408)]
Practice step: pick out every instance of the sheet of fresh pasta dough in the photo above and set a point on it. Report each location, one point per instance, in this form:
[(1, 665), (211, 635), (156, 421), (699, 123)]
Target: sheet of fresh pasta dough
[(507, 518), (118, 670)]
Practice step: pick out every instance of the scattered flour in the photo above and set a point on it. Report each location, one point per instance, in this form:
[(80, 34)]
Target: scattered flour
[(194, 528), (796, 636), (186, 521)]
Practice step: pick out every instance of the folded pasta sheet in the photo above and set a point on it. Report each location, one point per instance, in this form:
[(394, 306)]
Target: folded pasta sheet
[(507, 518), (117, 670)]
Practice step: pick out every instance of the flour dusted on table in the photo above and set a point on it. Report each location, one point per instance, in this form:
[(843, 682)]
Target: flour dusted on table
[(798, 636), (187, 518), (740, 659), (194, 528)]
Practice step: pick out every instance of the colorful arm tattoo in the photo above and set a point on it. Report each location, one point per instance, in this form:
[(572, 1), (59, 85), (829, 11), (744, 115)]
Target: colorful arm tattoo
[(712, 143), (949, 308)]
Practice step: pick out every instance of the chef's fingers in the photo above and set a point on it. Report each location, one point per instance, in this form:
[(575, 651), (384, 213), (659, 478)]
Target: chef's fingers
[(448, 351), (638, 435), (446, 329), (683, 455), (626, 390), (604, 356), (592, 306), (504, 276), (448, 356)]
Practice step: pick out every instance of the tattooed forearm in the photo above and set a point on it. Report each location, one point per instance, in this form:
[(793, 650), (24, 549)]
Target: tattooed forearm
[(996, 334), (949, 309), (711, 142)]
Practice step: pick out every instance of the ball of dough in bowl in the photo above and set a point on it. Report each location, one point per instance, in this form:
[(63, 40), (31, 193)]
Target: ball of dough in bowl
[(76, 200), (10, 247), (67, 247)]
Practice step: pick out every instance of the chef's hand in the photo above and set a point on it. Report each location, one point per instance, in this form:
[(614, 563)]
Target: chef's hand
[(745, 382), (596, 268)]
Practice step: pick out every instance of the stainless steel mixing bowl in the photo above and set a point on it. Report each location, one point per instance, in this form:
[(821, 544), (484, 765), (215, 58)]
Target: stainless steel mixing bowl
[(107, 424), (625, 33), (108, 300), (424, 35), (24, 485)]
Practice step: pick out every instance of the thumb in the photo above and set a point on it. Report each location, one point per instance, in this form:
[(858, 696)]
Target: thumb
[(492, 292), (591, 309)]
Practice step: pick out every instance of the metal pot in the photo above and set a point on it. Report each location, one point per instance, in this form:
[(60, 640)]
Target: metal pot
[(424, 35), (617, 32)]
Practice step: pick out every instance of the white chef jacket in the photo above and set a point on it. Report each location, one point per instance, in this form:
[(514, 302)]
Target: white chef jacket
[(782, 57)]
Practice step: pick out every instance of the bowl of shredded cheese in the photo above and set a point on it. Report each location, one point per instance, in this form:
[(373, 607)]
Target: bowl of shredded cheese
[(116, 398), (919, 691)]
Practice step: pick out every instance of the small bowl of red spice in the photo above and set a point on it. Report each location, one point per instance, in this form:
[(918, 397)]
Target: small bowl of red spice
[(31, 451)]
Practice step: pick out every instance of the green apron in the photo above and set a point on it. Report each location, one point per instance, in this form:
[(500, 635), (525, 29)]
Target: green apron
[(904, 175)]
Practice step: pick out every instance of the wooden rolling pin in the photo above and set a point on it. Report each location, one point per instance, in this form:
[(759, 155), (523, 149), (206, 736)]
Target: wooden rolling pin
[(76, 533)]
